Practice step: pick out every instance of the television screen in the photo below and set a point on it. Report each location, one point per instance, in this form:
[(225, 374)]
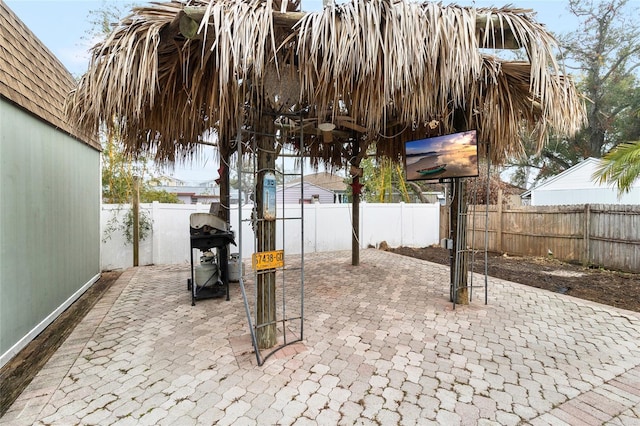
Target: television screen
[(441, 157)]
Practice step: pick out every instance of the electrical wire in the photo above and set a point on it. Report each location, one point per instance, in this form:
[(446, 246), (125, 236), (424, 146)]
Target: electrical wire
[(394, 136)]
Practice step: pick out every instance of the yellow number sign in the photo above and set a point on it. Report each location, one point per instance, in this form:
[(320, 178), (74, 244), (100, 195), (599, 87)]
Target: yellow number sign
[(268, 260)]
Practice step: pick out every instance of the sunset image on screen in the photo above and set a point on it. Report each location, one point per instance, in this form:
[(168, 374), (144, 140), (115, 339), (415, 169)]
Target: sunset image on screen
[(454, 155)]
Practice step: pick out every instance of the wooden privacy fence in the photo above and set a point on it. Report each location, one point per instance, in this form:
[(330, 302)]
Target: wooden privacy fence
[(592, 234)]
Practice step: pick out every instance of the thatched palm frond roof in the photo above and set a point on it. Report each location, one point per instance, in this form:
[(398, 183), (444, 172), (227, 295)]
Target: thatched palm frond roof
[(378, 68)]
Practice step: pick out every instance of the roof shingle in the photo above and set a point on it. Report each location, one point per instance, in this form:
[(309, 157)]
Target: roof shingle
[(32, 77)]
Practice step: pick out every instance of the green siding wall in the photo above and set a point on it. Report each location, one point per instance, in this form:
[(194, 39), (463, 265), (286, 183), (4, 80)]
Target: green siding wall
[(49, 220)]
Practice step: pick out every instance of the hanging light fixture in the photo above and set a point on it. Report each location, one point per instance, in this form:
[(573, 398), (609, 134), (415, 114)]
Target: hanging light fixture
[(326, 129)]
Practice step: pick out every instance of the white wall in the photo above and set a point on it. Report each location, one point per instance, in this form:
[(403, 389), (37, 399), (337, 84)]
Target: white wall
[(327, 227)]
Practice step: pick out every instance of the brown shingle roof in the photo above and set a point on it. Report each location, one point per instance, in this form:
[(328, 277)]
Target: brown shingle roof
[(32, 77)]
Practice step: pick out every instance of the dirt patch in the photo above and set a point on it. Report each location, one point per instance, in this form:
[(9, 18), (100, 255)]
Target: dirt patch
[(618, 289), (18, 373)]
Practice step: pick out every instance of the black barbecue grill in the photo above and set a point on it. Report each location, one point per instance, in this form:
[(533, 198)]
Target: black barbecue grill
[(208, 232)]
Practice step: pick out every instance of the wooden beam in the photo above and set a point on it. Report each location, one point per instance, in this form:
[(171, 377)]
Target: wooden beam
[(496, 37), (173, 29), (499, 38), (350, 124), (193, 15), (189, 26)]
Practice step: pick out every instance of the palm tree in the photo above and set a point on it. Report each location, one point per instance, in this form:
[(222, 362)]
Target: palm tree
[(621, 165)]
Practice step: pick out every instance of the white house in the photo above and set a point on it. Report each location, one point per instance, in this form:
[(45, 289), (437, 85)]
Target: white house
[(577, 186), (188, 193), (311, 194)]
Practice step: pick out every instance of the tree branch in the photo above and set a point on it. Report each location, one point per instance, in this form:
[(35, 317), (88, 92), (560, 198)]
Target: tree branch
[(554, 158), (620, 60), (618, 110), (416, 188)]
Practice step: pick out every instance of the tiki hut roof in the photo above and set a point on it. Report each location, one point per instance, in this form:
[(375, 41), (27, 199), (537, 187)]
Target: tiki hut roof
[(40, 93), (374, 71)]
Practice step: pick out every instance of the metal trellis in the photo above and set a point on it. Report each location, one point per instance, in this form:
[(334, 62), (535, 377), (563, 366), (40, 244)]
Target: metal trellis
[(289, 305)]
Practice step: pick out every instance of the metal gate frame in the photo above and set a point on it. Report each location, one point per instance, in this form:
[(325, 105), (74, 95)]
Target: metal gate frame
[(461, 241), (288, 337)]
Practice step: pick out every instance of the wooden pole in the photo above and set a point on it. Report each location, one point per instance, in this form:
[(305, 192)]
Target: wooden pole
[(355, 229), (225, 155), (355, 205), (136, 219), (266, 236), (459, 231), (453, 220)]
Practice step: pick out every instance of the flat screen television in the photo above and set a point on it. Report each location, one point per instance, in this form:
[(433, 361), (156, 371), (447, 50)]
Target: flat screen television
[(442, 157)]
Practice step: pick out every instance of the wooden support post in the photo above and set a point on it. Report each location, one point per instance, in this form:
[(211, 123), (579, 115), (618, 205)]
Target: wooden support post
[(135, 206), (459, 231), (225, 154), (266, 236), (355, 205), (453, 218), (355, 231)]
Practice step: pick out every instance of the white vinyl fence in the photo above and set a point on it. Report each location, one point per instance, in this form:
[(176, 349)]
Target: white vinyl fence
[(327, 227)]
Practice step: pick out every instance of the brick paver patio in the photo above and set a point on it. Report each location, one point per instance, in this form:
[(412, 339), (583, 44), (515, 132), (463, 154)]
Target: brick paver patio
[(382, 346)]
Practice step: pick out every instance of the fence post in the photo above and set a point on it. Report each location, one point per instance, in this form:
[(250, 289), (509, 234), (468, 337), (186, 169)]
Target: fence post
[(155, 236), (587, 229), (316, 208), (499, 223), (401, 223)]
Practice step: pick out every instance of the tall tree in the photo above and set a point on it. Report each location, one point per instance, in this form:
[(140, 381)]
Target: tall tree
[(603, 54), (607, 51), (103, 19)]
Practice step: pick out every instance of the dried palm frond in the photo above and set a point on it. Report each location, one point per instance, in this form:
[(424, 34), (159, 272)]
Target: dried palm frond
[(380, 70)]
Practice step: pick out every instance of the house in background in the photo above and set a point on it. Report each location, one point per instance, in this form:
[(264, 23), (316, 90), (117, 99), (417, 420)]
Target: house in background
[(291, 194), (209, 185), (576, 186), (202, 192), (166, 181), (323, 188), (49, 191)]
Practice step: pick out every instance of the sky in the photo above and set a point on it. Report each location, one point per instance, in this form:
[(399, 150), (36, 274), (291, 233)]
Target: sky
[(63, 27), (439, 144)]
